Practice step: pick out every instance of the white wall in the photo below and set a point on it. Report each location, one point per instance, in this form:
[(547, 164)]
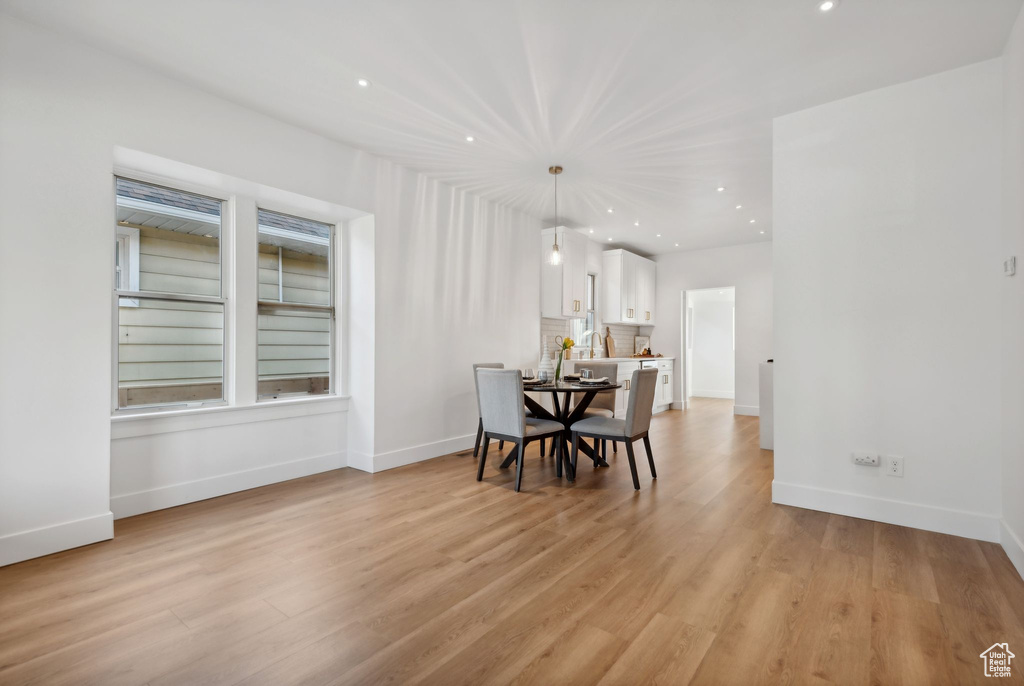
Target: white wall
[(713, 359), (887, 283), (64, 110), (1013, 297), (749, 269)]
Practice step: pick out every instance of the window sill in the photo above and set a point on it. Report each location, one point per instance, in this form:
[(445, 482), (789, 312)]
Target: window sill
[(169, 421)]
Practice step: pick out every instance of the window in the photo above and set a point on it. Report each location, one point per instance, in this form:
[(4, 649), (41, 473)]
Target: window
[(583, 329), (167, 296), (296, 306)]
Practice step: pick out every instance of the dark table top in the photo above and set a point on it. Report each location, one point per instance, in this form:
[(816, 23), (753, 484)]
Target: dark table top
[(569, 387)]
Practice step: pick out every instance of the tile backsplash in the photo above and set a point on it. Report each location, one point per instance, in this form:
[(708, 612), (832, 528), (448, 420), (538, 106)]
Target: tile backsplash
[(622, 334)]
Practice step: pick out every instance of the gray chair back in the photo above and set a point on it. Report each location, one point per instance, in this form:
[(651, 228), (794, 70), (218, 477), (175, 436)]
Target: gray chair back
[(483, 365), (606, 399), (641, 401), (501, 401)]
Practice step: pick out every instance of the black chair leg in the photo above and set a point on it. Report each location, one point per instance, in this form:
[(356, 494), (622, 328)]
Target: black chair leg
[(597, 449), (483, 459), (558, 461), (632, 464), (479, 435), (575, 450), (542, 447), (650, 457), (501, 445), (615, 446), (604, 449), (519, 468), (563, 456)]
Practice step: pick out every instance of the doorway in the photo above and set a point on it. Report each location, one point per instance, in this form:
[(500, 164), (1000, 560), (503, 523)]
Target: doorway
[(709, 343)]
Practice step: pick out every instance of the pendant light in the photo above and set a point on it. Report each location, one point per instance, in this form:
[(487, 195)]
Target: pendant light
[(556, 257)]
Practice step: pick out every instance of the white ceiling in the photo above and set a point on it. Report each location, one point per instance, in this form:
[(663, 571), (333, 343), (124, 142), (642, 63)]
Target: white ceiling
[(648, 104)]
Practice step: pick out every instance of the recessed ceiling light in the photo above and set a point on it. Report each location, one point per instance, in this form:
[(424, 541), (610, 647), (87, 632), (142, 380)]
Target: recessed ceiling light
[(677, 245), (363, 83), (739, 207), (720, 189), (762, 232), (469, 139), (610, 210), (636, 223), (753, 221), (591, 231), (827, 5), (609, 240), (659, 235), (721, 292)]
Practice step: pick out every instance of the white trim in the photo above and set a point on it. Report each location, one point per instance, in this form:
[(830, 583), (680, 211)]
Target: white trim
[(1013, 546), (419, 453), (713, 394), (416, 453), (748, 410), (149, 424), (943, 520), (25, 545), (677, 405), (131, 504)]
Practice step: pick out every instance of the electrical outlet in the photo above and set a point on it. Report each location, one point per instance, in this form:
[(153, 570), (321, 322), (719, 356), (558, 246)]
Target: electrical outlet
[(866, 459), (893, 465)]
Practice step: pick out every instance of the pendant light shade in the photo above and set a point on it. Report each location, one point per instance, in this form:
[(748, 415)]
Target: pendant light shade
[(556, 257)]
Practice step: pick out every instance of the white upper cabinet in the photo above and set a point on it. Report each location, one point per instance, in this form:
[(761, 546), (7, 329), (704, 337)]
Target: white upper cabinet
[(563, 287), (629, 290)]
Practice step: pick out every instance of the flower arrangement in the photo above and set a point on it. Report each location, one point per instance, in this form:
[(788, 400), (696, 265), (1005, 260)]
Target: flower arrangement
[(567, 345)]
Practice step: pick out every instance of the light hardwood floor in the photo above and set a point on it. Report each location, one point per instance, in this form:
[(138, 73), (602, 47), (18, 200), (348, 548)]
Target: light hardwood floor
[(421, 575)]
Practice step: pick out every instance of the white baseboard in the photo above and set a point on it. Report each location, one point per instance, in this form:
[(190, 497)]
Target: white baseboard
[(747, 410), (729, 395), (939, 519), (361, 461), (130, 504), (1013, 546), (26, 545), (419, 453), (678, 405)]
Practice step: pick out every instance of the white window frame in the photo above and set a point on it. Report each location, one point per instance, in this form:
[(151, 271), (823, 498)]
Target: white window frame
[(127, 246), (132, 297), (282, 304)]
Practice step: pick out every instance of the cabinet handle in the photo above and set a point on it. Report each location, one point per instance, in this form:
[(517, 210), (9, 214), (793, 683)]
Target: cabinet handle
[(664, 379), (627, 384), (648, 316)]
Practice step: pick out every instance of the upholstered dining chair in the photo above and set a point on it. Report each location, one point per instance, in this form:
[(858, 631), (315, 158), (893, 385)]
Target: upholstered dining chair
[(633, 427), (504, 417), (603, 404), (480, 422)]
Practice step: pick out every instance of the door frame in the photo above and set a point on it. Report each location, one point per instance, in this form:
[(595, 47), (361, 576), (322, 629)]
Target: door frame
[(684, 357)]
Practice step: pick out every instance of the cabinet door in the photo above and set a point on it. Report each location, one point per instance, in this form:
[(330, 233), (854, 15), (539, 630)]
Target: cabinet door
[(628, 285), (566, 251), (579, 275), (666, 387), (645, 292)]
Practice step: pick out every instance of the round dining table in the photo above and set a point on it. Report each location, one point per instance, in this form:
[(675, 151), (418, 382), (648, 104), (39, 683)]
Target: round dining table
[(565, 412)]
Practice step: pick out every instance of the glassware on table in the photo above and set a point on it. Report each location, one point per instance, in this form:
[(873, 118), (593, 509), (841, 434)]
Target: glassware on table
[(527, 373), (586, 373)]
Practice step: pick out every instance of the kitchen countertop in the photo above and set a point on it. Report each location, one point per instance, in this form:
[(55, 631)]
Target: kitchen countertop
[(622, 359)]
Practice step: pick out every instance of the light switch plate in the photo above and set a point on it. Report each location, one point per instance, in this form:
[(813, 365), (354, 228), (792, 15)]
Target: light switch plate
[(1010, 266), (865, 459)]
